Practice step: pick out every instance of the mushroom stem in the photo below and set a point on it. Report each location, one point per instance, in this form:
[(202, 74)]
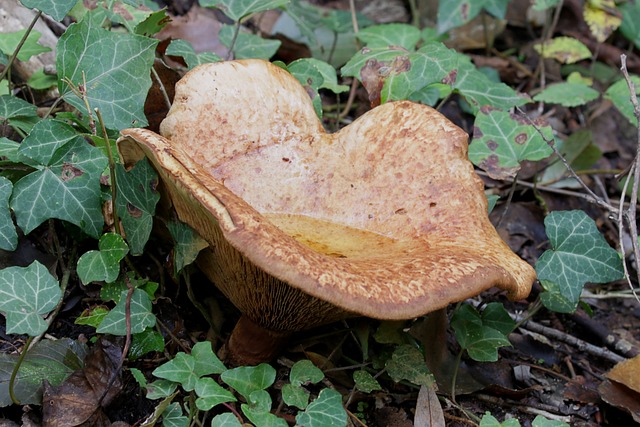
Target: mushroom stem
[(252, 344)]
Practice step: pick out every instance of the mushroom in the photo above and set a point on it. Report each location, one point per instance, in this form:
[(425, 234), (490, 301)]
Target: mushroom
[(385, 218)]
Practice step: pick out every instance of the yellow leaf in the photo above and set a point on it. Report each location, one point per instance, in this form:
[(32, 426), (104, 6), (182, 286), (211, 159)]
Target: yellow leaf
[(603, 18), (563, 49)]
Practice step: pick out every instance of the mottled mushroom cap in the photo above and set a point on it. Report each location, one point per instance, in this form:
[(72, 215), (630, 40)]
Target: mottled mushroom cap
[(385, 218)]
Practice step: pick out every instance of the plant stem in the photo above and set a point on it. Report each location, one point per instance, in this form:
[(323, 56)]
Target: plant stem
[(233, 41), (14, 55), (14, 373), (454, 378), (112, 173)]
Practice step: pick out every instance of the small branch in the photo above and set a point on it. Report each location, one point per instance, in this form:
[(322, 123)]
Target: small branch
[(635, 169), (112, 174), (595, 198), (163, 90), (14, 55)]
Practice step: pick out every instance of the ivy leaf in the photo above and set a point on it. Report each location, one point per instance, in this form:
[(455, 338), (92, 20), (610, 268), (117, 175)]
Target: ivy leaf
[(211, 394), (115, 67), (247, 379), (385, 35), (479, 90), (619, 94), (248, 45), (8, 234), (65, 186), (455, 13), (567, 94), (103, 264), (56, 9), (578, 254), (257, 409), (92, 316), (145, 342), (160, 389), (238, 9), (184, 49), (207, 362), (26, 293), (407, 363), (136, 200), (302, 372), (306, 66), (225, 420), (180, 369), (566, 50), (325, 411), (188, 244), (140, 310), (365, 382), (173, 416), (9, 43), (502, 140), (18, 113), (541, 421), (482, 335)]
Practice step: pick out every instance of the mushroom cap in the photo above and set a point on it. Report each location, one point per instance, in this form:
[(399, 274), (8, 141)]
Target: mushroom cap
[(384, 218)]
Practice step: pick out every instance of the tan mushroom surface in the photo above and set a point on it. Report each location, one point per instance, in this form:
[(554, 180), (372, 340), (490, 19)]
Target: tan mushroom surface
[(385, 218)]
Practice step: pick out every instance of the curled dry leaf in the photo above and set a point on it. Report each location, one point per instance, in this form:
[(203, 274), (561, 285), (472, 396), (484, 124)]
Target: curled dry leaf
[(385, 218), (80, 398)]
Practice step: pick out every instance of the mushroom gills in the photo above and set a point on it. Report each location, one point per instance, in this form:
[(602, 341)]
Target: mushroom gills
[(334, 239)]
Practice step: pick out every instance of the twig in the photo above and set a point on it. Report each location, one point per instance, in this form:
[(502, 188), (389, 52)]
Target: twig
[(112, 173), (163, 90), (594, 197), (630, 214), (570, 339), (14, 55)]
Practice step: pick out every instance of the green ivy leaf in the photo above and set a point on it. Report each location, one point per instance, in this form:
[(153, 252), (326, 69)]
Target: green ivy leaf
[(173, 416), (365, 382), (145, 342), (180, 369), (153, 23), (407, 363), (478, 335), (325, 411), (211, 394), (454, 13), (385, 35), (26, 293), (47, 360), (495, 316), (544, 4), (8, 234), (115, 67), (136, 201), (184, 49), (141, 317), (247, 379), (302, 372), (206, 361), (578, 254), (479, 90), (188, 244), (103, 264), (619, 94), (257, 409), (567, 94), (238, 9), (489, 420), (541, 421), (225, 420), (161, 389), (18, 113), (9, 43), (56, 9), (312, 66), (502, 140), (92, 316), (248, 45), (65, 186)]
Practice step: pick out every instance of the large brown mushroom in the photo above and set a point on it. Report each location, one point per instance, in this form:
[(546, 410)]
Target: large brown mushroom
[(385, 218)]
